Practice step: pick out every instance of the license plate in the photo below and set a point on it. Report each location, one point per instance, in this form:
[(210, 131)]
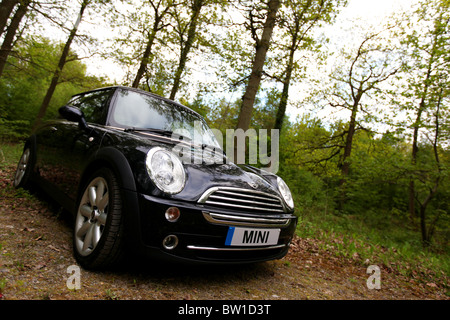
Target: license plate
[(251, 237)]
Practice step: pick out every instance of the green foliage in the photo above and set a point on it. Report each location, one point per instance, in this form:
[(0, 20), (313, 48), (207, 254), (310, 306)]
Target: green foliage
[(377, 178), (13, 130), (311, 194), (26, 79)]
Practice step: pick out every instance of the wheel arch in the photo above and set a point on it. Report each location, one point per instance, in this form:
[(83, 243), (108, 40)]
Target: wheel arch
[(31, 142), (116, 161)]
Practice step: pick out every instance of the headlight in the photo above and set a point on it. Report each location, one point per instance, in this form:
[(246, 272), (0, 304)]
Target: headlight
[(166, 170), (285, 192)]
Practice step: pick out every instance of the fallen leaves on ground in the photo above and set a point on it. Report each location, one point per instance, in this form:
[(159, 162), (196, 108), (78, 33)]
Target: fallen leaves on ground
[(36, 253)]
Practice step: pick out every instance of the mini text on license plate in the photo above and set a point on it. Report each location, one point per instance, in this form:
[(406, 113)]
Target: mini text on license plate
[(251, 237)]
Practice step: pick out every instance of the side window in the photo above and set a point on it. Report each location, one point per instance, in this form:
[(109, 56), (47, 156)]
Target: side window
[(93, 104)]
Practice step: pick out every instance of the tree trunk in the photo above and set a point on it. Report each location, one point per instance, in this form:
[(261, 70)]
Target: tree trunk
[(61, 63), (196, 7), (145, 59), (6, 7), (10, 34), (415, 147), (262, 47), (158, 16), (345, 165), (297, 38), (426, 231), (285, 93), (423, 227)]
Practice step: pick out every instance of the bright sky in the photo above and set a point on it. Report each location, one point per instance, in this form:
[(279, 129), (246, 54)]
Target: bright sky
[(362, 12), (373, 10)]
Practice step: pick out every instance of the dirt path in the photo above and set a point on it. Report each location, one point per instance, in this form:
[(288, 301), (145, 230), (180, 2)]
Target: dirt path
[(36, 263)]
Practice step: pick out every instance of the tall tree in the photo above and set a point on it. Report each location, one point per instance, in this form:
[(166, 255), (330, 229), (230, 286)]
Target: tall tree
[(186, 45), (6, 8), (11, 32), (297, 20), (427, 45), (255, 16), (160, 10), (356, 82), (61, 63)]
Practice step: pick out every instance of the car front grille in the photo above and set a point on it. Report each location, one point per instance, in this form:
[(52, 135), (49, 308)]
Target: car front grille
[(242, 200)]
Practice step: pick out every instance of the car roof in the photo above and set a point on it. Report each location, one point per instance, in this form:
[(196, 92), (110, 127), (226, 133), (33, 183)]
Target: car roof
[(140, 91)]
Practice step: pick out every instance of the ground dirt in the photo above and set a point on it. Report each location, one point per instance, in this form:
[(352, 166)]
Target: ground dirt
[(36, 256)]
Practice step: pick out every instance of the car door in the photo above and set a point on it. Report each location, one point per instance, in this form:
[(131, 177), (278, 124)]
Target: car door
[(65, 147)]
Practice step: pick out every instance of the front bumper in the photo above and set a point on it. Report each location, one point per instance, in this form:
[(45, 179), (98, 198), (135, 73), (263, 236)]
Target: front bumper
[(202, 230)]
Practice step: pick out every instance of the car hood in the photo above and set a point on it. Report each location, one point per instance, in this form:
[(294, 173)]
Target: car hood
[(200, 176)]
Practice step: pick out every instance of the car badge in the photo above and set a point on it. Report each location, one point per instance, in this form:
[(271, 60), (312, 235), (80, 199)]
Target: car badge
[(253, 185)]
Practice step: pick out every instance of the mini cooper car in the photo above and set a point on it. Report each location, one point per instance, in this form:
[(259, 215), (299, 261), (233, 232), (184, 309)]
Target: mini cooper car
[(113, 160)]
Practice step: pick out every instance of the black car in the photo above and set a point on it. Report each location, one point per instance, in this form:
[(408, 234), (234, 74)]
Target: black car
[(112, 161)]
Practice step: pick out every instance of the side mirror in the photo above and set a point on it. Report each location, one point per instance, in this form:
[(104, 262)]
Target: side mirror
[(71, 113), (75, 115)]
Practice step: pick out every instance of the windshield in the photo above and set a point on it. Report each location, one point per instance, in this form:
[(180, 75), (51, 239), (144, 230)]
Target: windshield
[(141, 111)]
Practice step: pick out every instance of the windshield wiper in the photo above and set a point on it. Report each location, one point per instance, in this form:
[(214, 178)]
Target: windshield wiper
[(166, 132), (155, 130)]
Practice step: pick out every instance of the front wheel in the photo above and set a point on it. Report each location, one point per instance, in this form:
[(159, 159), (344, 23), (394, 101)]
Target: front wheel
[(98, 232)]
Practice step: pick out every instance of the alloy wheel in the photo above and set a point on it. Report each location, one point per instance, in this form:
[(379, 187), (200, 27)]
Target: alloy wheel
[(22, 167), (91, 216)]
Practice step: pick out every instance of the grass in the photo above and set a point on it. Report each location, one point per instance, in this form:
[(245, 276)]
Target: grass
[(10, 154), (9, 157), (110, 295), (378, 238)]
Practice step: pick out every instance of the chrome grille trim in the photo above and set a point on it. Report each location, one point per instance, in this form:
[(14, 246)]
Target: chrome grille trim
[(243, 201), (236, 249), (232, 220), (239, 198)]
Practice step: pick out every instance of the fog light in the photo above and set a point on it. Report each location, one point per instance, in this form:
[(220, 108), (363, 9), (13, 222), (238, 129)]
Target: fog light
[(172, 214), (170, 242)]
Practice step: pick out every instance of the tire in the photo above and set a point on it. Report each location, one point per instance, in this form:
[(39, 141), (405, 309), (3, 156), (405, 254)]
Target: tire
[(24, 168), (98, 232)]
